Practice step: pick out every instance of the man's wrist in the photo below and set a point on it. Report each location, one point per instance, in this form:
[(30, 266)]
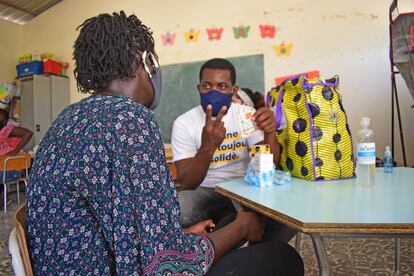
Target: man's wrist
[(207, 150), (270, 135)]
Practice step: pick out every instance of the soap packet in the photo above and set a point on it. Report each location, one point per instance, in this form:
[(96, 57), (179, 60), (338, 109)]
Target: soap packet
[(248, 125)]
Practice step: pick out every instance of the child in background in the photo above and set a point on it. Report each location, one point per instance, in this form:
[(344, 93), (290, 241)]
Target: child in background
[(247, 97), (12, 140)]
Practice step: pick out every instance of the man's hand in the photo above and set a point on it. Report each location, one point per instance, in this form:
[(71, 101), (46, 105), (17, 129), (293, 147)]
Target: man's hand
[(252, 225), (265, 120), (214, 131), (201, 227)]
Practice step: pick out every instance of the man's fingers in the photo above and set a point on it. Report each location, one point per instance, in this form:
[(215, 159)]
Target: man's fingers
[(262, 112), (220, 115), (262, 124), (208, 114), (221, 124)]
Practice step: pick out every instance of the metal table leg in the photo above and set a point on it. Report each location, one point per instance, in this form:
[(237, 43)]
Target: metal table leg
[(297, 241), (320, 251), (397, 255)]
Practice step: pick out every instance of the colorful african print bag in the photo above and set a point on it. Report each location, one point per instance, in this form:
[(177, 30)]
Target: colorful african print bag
[(313, 131)]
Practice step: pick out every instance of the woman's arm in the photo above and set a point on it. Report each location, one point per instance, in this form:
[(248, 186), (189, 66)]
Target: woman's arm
[(247, 226), (25, 135)]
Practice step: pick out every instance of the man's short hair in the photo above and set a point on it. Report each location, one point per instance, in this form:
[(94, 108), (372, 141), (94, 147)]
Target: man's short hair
[(219, 63)]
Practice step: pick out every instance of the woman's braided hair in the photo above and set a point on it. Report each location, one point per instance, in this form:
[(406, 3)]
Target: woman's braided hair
[(108, 48)]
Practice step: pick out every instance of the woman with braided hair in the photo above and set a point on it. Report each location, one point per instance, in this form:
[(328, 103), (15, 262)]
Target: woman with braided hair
[(101, 199)]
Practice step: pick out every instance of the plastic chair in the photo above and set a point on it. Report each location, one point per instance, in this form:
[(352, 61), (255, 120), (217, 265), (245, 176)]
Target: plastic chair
[(15, 255), (19, 162), (18, 248)]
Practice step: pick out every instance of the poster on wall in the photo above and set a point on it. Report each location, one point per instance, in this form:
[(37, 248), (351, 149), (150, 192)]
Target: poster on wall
[(412, 38), (309, 75)]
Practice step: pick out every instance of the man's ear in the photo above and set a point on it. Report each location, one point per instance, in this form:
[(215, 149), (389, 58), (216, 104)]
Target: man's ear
[(198, 87), (235, 89)]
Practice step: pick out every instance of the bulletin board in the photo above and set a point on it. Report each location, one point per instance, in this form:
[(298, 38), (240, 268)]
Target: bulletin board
[(179, 86)]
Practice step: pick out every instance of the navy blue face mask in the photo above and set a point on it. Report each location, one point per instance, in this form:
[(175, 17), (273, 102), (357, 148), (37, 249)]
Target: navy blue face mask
[(216, 99)]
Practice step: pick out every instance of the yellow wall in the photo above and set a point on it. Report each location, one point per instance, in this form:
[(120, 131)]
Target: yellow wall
[(345, 38), (10, 45)]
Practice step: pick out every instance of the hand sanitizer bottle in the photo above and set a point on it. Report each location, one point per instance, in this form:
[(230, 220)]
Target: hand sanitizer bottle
[(388, 162)]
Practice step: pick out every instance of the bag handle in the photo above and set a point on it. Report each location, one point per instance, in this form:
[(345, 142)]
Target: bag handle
[(278, 111)]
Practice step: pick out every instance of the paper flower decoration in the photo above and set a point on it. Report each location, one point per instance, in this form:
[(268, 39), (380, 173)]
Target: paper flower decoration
[(267, 31), (283, 49), (241, 31), (191, 36), (168, 39), (214, 33)]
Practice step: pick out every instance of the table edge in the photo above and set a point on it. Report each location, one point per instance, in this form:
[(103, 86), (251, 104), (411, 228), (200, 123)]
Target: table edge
[(372, 228)]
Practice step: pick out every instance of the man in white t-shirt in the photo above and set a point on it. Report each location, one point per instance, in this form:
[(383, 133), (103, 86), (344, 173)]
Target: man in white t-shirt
[(209, 148)]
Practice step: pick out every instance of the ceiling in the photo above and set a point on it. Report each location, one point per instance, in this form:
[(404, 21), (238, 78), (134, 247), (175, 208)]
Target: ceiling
[(22, 11)]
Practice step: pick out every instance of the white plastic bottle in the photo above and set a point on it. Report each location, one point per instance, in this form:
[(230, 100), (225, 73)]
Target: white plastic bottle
[(366, 154)]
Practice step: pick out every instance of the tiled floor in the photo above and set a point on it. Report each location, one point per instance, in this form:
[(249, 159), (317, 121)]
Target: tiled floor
[(346, 256), (6, 225)]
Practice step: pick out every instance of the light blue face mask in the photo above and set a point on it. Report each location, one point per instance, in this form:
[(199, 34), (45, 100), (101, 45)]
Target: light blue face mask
[(155, 78)]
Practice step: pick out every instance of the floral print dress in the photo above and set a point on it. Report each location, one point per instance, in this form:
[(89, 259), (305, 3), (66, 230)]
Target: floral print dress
[(101, 200)]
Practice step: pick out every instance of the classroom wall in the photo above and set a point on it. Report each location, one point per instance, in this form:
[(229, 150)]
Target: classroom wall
[(10, 45), (345, 38)]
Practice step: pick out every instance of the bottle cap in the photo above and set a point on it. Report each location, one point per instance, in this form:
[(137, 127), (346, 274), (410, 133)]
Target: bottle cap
[(365, 121), (387, 151)]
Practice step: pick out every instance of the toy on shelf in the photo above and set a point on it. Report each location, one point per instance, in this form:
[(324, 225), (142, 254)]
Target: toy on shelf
[(44, 63), (7, 92)]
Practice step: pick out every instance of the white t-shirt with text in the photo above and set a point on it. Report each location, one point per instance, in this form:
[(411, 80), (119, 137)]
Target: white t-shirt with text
[(230, 158)]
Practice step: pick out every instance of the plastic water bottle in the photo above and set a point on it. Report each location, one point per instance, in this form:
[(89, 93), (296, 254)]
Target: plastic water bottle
[(366, 154), (388, 162)]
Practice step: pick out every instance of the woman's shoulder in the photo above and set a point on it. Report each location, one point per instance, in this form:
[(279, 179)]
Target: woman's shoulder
[(111, 108)]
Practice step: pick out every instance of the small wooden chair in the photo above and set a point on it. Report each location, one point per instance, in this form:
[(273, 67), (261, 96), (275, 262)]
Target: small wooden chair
[(18, 245), (19, 162), (169, 157)]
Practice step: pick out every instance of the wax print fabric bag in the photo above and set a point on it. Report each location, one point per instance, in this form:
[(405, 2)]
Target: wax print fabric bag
[(313, 132)]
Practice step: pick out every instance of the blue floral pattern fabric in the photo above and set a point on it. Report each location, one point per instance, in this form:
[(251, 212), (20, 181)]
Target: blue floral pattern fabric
[(101, 199)]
